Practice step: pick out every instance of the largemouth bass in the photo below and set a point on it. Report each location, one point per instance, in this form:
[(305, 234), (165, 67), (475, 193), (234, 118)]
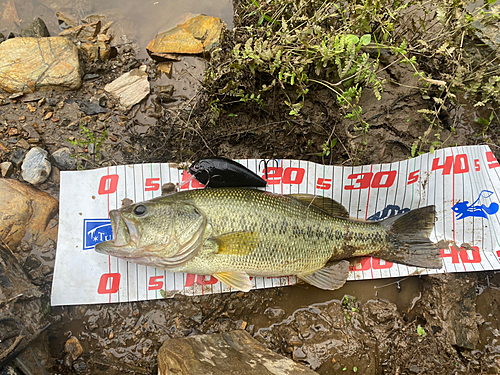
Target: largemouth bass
[(236, 233)]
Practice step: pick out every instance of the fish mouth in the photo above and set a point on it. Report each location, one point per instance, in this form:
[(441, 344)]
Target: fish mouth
[(125, 234)]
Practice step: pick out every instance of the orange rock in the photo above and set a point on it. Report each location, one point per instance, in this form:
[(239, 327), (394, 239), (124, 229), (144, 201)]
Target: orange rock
[(30, 64), (24, 213), (198, 35)]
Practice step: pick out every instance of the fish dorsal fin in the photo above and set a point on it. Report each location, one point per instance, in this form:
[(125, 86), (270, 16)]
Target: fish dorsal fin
[(239, 280), (328, 205), (237, 243), (330, 277)]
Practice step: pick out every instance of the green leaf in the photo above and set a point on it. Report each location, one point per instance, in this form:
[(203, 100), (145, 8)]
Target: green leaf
[(421, 332), (365, 40), (351, 38)]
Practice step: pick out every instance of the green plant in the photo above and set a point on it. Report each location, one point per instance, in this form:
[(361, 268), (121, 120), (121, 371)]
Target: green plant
[(89, 141), (287, 48), (328, 147), (421, 333), (350, 305)]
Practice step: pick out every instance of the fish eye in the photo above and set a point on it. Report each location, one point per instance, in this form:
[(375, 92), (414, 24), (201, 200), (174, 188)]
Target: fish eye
[(140, 210), (196, 166)]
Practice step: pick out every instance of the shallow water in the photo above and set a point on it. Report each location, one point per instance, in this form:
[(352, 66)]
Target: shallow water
[(143, 20)]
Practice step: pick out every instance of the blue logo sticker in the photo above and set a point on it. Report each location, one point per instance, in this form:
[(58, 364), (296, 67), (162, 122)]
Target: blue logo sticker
[(389, 211), (95, 231), (464, 209)]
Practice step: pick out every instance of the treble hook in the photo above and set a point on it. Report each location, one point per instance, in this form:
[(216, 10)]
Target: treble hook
[(266, 162)]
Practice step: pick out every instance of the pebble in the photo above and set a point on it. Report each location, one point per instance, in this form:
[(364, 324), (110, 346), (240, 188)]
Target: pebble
[(62, 159), (74, 348), (37, 29), (36, 167), (6, 168), (23, 144), (80, 365), (131, 87), (17, 157)]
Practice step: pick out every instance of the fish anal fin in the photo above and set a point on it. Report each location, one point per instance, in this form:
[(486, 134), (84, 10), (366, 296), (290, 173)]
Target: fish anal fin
[(237, 243), (326, 204), (330, 277), (238, 280)]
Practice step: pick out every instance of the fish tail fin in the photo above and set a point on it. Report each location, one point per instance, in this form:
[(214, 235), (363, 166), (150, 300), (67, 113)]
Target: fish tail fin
[(409, 239)]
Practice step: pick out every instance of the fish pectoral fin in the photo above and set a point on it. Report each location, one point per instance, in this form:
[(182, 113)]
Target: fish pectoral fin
[(237, 243), (330, 277), (326, 204), (239, 280)]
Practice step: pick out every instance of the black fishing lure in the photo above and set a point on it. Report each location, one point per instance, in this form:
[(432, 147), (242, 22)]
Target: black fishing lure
[(220, 172)]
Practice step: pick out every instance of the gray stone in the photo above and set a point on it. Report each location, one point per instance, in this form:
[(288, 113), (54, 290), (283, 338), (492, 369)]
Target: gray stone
[(131, 87), (37, 29), (233, 352), (79, 365), (63, 160), (6, 168), (36, 166), (18, 157), (31, 64)]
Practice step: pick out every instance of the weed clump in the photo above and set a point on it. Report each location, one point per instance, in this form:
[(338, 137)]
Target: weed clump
[(294, 47)]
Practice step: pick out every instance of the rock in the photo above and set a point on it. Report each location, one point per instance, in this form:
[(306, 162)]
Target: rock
[(87, 31), (233, 352), (30, 64), (79, 365), (63, 160), (25, 210), (74, 348), (6, 168), (98, 51), (87, 107), (66, 22), (36, 166), (166, 68), (198, 35), (18, 157), (37, 29), (131, 87), (23, 144)]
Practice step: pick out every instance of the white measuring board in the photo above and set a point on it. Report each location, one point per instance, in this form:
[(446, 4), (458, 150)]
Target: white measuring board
[(462, 182)]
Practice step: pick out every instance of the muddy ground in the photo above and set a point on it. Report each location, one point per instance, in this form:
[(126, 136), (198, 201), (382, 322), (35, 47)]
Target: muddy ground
[(366, 327)]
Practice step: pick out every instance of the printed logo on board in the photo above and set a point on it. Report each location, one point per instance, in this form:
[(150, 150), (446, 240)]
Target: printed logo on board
[(476, 209), (95, 231), (389, 211)]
